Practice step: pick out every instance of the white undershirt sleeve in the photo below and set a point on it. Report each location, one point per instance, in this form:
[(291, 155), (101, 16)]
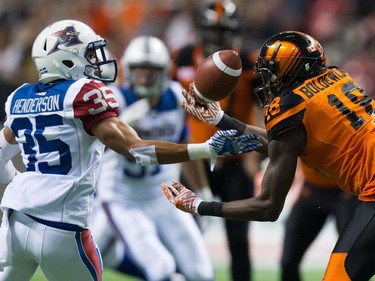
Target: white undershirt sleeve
[(7, 152)]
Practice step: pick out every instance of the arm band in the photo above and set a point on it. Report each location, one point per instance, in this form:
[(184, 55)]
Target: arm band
[(198, 151), (211, 209), (144, 155), (228, 123)]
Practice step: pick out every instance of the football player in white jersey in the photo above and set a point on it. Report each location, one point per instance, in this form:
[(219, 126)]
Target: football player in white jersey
[(157, 238), (61, 125)]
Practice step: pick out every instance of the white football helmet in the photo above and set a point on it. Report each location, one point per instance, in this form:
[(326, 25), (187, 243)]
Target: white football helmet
[(146, 64), (70, 50)]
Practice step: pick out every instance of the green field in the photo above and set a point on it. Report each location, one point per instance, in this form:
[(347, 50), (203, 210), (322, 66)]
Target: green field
[(221, 275)]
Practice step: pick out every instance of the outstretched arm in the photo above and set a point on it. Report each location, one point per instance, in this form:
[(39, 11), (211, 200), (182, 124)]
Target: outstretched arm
[(121, 138), (276, 182), (212, 114), (267, 206)]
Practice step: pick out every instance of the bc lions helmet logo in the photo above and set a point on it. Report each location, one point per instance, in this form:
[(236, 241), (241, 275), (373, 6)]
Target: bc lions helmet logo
[(67, 37)]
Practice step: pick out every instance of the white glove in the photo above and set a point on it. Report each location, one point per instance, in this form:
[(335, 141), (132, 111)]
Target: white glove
[(210, 113)]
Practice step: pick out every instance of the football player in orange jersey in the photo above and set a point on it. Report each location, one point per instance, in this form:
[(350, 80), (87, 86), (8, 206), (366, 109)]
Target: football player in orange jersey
[(319, 114), (219, 26), (318, 199)]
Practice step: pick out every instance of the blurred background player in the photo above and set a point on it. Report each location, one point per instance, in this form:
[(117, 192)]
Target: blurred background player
[(319, 199), (219, 29), (138, 233)]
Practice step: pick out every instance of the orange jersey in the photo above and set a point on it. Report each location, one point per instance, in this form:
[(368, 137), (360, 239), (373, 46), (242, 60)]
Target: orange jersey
[(239, 104), (311, 176), (340, 131)]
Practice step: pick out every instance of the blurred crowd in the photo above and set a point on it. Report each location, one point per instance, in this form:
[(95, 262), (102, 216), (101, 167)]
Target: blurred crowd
[(346, 28)]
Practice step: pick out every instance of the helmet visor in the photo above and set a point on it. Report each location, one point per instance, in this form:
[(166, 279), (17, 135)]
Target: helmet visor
[(99, 67)]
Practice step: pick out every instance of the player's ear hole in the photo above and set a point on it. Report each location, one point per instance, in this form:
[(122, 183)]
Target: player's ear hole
[(68, 63)]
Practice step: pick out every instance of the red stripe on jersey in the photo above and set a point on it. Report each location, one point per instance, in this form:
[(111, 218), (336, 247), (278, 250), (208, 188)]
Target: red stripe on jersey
[(95, 101)]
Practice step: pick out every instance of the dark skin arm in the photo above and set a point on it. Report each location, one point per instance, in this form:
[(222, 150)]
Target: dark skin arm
[(261, 132), (267, 206)]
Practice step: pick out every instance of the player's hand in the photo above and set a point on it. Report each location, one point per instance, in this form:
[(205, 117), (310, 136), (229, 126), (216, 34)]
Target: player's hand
[(210, 113), (183, 198), (228, 143)]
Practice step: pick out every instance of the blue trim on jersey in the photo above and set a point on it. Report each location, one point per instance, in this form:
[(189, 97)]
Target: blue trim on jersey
[(59, 225), (39, 98)]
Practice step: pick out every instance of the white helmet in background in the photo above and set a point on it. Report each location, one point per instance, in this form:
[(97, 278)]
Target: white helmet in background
[(70, 50), (146, 63)]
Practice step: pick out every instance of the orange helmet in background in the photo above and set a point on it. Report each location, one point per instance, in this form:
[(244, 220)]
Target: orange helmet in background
[(218, 25)]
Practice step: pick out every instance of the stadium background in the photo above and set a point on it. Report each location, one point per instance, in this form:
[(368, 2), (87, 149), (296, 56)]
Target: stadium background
[(346, 29)]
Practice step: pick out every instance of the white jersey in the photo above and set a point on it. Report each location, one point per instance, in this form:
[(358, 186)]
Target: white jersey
[(122, 179), (52, 124)]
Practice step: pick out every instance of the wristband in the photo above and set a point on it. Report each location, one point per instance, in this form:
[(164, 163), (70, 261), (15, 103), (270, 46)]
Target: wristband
[(145, 155), (214, 209), (228, 123), (198, 151)]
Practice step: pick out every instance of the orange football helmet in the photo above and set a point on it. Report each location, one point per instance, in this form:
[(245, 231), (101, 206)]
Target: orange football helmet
[(219, 25), (286, 60)]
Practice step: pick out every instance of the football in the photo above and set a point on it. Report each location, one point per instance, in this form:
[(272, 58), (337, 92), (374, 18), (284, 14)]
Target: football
[(217, 76)]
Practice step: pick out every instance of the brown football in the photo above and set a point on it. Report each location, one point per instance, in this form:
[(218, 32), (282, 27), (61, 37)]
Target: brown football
[(217, 76)]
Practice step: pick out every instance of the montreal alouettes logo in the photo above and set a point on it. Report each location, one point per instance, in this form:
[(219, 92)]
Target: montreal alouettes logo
[(67, 37)]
